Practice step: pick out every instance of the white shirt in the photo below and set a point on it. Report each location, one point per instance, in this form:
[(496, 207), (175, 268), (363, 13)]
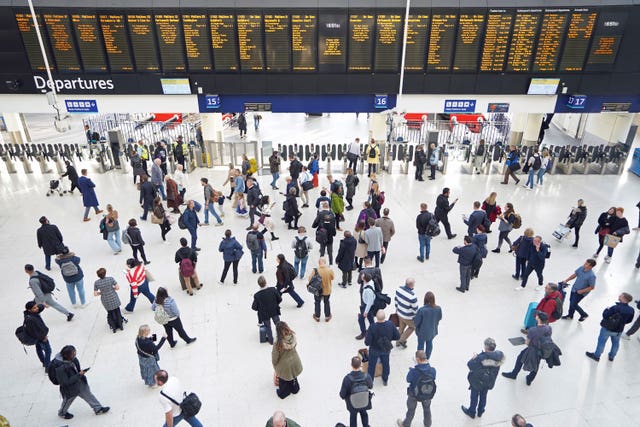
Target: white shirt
[(354, 148), (174, 389), (180, 178)]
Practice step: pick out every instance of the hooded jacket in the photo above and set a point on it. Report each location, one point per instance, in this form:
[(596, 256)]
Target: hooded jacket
[(34, 325), (488, 361), (286, 361), (548, 304)]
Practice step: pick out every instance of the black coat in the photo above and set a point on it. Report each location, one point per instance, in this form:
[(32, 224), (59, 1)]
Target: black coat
[(69, 378), (346, 253), (34, 325), (186, 252), (291, 207), (147, 193), (72, 174), (49, 239), (267, 303), (442, 207)]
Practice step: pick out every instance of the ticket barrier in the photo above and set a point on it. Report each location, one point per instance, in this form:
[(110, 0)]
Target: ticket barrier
[(102, 156), (6, 158), (40, 156)]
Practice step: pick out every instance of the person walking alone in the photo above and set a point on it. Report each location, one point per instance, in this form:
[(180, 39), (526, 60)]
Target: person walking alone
[(89, 198), (49, 240)]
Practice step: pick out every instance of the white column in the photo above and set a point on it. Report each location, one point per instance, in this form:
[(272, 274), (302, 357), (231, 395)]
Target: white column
[(14, 128), (377, 127), (212, 126), (518, 121), (532, 129)]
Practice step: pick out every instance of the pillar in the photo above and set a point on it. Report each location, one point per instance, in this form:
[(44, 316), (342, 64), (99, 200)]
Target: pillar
[(532, 129), (377, 127), (212, 126), (518, 122), (15, 128)]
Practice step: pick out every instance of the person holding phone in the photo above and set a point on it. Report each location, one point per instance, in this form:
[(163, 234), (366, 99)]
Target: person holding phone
[(148, 354)]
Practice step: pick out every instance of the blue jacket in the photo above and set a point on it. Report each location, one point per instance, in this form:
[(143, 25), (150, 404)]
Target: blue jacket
[(239, 185), (74, 259), (537, 258), (426, 322), (466, 254), (86, 187), (475, 219), (525, 244), (624, 309), (190, 218), (416, 372), (480, 241), (378, 330), (231, 249)]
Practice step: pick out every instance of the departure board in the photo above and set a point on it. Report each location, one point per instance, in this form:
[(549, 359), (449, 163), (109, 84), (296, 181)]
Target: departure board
[(606, 41), (332, 42), (360, 41), (577, 41), (143, 43), (196, 41), (303, 41), (64, 51), (525, 31), (85, 27), (250, 41), (115, 42), (470, 30), (441, 41), (277, 41), (388, 42), (554, 24), (224, 42), (416, 51), (171, 42), (30, 40), (496, 40)]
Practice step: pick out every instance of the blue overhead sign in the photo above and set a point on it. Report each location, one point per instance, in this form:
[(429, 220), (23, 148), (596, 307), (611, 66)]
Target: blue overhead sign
[(380, 102), (577, 102), (212, 102), (460, 106), (81, 106)]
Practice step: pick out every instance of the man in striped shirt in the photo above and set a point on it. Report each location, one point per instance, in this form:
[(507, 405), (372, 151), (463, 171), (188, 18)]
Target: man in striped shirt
[(406, 308)]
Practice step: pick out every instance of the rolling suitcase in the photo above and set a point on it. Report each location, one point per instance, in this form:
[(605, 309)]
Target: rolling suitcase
[(561, 232), (263, 333), (529, 318)]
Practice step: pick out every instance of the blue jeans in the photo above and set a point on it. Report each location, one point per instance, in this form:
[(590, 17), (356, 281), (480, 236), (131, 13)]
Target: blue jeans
[(521, 265), (425, 245), (88, 208), (602, 340), (43, 350), (275, 176), (465, 276), (479, 400), (296, 262), (113, 239), (193, 421), (373, 360), (610, 252), (194, 237), (256, 257), (160, 188), (529, 183), (425, 345), (361, 323), (71, 289), (209, 208), (142, 289), (541, 173), (47, 262)]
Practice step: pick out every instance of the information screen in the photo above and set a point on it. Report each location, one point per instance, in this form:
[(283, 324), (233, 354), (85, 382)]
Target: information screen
[(30, 40), (224, 42), (417, 32), (115, 43), (85, 27), (605, 44), (276, 41), (441, 40), (143, 43), (303, 41), (196, 42), (64, 51), (332, 42), (525, 31), (554, 24), (577, 41), (360, 41), (496, 40), (250, 41), (388, 42), (171, 42), (470, 31)]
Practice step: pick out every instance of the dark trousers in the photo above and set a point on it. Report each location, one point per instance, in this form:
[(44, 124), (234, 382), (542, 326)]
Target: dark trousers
[(519, 361), (374, 256), (353, 163), (419, 171), (475, 269), (353, 417), (47, 261), (574, 304), (177, 325), (361, 318), (600, 243), (384, 255), (346, 277), (327, 305), (328, 247), (465, 276), (634, 328), (372, 168), (194, 237), (164, 228), (479, 401), (433, 171), (43, 351), (412, 404), (521, 265), (145, 210), (373, 361), (226, 269), (285, 388), (267, 324), (350, 201), (538, 269), (295, 296), (252, 214), (577, 231), (510, 173), (114, 319), (74, 186), (503, 236), (142, 289), (447, 227), (136, 249)]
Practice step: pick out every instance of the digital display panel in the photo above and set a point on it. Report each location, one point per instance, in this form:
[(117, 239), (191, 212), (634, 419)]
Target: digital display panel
[(30, 40), (417, 33), (277, 41), (303, 41), (496, 40), (360, 42), (178, 86), (441, 41), (543, 86), (64, 50), (606, 41), (554, 24), (388, 42), (171, 42), (85, 27), (116, 45), (224, 42), (332, 42), (470, 30), (196, 42), (525, 31), (577, 42), (143, 43)]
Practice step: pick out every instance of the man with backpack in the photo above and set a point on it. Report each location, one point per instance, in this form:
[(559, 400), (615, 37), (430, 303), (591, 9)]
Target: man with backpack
[(72, 274), (379, 337), (422, 388), (367, 300), (267, 303), (326, 277), (426, 224), (613, 320), (483, 371), (355, 392), (209, 194), (37, 331), (325, 232), (257, 246), (42, 287), (301, 245), (529, 358), (49, 239), (187, 258), (585, 283)]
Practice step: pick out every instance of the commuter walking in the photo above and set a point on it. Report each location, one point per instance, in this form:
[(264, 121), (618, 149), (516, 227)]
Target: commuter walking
[(89, 198), (385, 224), (353, 154), (467, 257), (254, 197), (508, 221), (535, 336), (512, 165), (325, 232), (136, 241), (604, 227), (147, 196), (106, 288), (37, 330), (171, 394), (286, 362), (423, 221), (187, 258), (476, 218), (174, 199), (231, 253), (479, 156), (136, 276), (274, 168), (159, 216), (442, 211), (576, 219), (535, 262), (420, 159), (112, 230), (148, 354), (585, 283), (192, 222), (301, 246), (406, 308), (426, 322), (421, 379), (491, 208), (544, 165), (72, 174), (326, 276), (291, 211), (522, 246), (42, 287), (375, 240), (434, 158), (351, 181), (361, 248), (379, 337), (355, 392), (367, 300), (533, 167), (617, 229), (480, 241), (242, 125), (267, 303), (483, 371), (613, 321), (345, 258), (372, 154), (209, 193), (157, 177), (172, 317), (285, 273), (72, 274), (49, 240)]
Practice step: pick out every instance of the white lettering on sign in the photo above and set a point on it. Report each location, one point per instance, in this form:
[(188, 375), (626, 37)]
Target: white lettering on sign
[(611, 23), (74, 84)]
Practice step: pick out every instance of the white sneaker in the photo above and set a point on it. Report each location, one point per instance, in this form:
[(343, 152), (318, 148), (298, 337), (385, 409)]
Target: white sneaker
[(537, 288), (518, 288), (594, 256), (607, 259), (219, 224), (626, 337)]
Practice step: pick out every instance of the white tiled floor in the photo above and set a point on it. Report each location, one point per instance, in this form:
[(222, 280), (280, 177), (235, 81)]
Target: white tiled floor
[(232, 372)]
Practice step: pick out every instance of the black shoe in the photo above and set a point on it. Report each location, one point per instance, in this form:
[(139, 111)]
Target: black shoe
[(275, 238), (496, 251), (66, 416), (102, 410), (515, 277), (197, 249), (592, 356), (459, 289), (610, 358), (300, 305), (479, 414), (420, 259), (70, 316), (468, 412), (173, 344), (249, 228), (567, 317), (581, 319), (192, 340), (509, 375), (575, 245), (147, 262), (342, 285), (517, 181), (360, 337), (453, 236), (529, 380)]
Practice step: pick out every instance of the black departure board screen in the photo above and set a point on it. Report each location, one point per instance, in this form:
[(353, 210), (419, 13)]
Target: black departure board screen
[(30, 40), (360, 41), (525, 31), (196, 41), (470, 30), (64, 51), (171, 42), (332, 42), (441, 41), (224, 42), (115, 42), (577, 42), (250, 41), (606, 41), (277, 41), (496, 40), (417, 33), (85, 27), (554, 24), (143, 43), (303, 41), (388, 42)]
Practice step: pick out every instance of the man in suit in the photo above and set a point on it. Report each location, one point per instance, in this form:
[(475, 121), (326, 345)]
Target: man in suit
[(267, 303)]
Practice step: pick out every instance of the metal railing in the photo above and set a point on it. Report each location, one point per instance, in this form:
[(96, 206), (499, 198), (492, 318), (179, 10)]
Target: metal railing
[(135, 130)]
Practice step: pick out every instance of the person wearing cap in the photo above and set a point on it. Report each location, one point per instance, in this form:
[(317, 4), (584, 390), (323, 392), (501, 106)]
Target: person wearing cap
[(483, 371), (534, 338), (49, 240), (36, 328)]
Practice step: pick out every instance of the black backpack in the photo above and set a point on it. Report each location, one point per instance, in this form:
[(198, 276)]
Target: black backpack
[(301, 251), (322, 236), (424, 388), (51, 370), (359, 395), (557, 313), (613, 322), (381, 301), (372, 152), (181, 224), (292, 272), (483, 378), (433, 229), (537, 163), (315, 284), (24, 337), (46, 283)]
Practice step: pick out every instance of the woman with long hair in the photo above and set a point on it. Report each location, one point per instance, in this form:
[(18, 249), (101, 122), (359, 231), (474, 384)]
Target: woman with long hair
[(265, 217), (148, 355), (604, 227), (112, 227), (491, 208), (576, 219), (171, 308), (507, 219), (361, 248), (426, 323), (285, 273), (286, 362), (619, 227), (159, 216)]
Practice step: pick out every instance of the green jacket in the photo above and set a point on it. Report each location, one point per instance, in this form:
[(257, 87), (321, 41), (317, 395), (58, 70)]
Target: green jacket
[(290, 423), (337, 203)]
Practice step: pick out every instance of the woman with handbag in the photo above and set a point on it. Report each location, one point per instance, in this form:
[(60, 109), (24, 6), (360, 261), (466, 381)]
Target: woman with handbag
[(168, 315), (507, 219), (148, 355), (231, 253), (618, 227), (576, 219), (159, 217), (361, 248), (603, 228), (138, 279), (112, 227), (265, 217), (491, 207), (286, 362), (106, 288)]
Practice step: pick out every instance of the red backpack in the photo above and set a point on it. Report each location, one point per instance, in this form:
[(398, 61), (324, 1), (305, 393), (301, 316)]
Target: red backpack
[(186, 267)]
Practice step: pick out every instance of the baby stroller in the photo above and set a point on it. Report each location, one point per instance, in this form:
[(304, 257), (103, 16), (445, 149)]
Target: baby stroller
[(55, 187)]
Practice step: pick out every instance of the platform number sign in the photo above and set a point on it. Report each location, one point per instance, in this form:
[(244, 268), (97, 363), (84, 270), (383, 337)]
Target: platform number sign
[(81, 105), (577, 102), (212, 102), (380, 101)]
